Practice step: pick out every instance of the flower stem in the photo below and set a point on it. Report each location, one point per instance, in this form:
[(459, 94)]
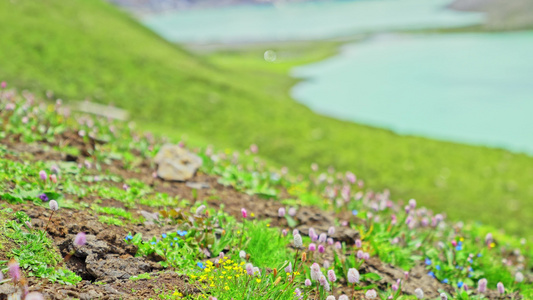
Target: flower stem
[(49, 220)]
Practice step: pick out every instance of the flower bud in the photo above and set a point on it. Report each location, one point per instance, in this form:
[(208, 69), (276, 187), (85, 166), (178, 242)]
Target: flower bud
[(331, 231), (53, 205), (326, 264), (519, 277), (371, 294), (304, 256), (200, 210), (322, 238), (281, 212), (244, 213), (353, 276), (292, 211), (315, 271), (419, 293), (331, 276), (298, 241), (312, 247), (42, 175), (34, 296), (80, 239), (288, 269), (14, 270), (322, 279), (249, 269), (501, 288)]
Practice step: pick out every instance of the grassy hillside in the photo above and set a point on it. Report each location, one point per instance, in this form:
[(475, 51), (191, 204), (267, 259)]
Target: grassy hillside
[(82, 48)]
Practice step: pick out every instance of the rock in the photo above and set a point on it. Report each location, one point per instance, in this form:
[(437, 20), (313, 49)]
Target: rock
[(176, 164), (197, 185), (112, 267), (7, 289), (91, 294)]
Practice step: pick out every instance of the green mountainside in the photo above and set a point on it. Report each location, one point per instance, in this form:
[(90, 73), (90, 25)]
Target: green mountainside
[(89, 49)]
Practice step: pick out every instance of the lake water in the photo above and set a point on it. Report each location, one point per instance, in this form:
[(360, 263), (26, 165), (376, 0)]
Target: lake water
[(470, 88), (303, 21)]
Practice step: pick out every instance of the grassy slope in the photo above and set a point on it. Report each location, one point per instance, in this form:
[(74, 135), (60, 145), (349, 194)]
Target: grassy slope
[(82, 48)]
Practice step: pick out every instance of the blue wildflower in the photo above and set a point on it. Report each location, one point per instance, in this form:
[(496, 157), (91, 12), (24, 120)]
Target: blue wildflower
[(164, 235), (430, 273), (181, 232), (470, 260), (129, 237), (460, 284), (470, 275), (445, 280), (459, 248), (428, 261), (175, 238), (153, 243), (437, 267), (355, 212), (479, 255), (201, 265)]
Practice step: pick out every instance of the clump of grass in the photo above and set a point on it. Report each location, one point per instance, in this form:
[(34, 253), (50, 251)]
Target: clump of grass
[(33, 250)]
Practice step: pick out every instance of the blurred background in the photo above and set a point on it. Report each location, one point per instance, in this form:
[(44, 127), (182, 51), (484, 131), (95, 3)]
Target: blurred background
[(431, 99)]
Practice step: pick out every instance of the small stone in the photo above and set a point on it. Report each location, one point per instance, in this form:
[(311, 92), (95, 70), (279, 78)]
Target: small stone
[(176, 164)]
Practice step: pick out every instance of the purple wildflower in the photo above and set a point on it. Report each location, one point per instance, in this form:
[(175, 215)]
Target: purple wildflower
[(353, 276), (14, 270), (371, 294), (42, 175), (501, 288), (80, 239), (281, 212), (249, 269), (331, 276), (331, 231), (315, 271), (322, 238)]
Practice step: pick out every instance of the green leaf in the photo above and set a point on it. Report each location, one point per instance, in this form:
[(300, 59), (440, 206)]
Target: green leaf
[(370, 277)]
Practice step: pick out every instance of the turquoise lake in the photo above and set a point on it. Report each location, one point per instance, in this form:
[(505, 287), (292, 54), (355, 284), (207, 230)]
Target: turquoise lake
[(469, 88), (303, 21)]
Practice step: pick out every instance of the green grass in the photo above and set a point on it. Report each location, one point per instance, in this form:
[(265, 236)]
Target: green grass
[(89, 49)]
